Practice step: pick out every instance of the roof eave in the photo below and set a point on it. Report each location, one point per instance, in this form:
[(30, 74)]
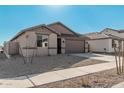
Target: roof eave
[(31, 28)]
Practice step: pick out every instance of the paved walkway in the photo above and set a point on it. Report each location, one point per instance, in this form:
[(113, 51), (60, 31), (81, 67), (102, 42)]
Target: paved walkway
[(48, 77), (104, 57)]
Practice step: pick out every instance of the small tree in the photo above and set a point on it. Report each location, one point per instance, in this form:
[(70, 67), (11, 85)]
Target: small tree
[(118, 46)]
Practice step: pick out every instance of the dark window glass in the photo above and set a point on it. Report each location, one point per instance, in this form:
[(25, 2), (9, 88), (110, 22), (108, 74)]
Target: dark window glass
[(42, 41)]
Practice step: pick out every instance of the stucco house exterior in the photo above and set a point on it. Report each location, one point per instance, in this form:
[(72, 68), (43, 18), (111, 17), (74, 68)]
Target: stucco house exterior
[(103, 41), (51, 39)]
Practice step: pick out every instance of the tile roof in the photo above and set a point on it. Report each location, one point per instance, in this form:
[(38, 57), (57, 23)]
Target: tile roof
[(70, 31), (48, 27), (97, 35), (101, 35), (31, 28)]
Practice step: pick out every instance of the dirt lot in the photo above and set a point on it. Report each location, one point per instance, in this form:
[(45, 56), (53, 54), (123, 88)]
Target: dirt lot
[(15, 66), (103, 79)]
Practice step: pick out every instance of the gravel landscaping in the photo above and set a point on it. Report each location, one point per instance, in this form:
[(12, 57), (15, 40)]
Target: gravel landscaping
[(15, 66), (103, 79)]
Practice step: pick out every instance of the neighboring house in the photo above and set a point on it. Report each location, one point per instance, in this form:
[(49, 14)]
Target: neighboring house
[(52, 39), (103, 41)]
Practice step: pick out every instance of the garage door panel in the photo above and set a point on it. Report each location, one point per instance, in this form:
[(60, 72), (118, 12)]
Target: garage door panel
[(74, 46)]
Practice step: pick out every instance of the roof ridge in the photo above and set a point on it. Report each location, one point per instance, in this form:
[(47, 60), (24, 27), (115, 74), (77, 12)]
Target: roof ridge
[(58, 22)]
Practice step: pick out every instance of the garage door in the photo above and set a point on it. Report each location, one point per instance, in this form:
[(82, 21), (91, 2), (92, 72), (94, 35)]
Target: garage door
[(74, 46)]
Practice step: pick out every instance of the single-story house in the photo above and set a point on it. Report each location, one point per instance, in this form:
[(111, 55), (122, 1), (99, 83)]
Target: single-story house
[(103, 41), (51, 39)]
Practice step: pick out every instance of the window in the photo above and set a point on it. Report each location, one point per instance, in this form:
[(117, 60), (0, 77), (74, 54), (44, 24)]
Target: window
[(42, 41), (113, 44)]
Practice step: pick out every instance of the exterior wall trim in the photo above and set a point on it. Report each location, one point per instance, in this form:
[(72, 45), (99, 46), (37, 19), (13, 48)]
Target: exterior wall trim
[(52, 47), (99, 39)]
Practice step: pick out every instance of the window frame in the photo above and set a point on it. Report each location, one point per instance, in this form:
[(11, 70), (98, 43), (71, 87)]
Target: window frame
[(113, 43), (42, 40)]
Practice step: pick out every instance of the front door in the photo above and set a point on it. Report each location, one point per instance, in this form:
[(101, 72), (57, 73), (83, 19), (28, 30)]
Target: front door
[(59, 45)]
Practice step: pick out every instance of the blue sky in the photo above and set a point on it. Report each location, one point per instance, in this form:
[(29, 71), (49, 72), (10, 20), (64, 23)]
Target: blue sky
[(81, 19)]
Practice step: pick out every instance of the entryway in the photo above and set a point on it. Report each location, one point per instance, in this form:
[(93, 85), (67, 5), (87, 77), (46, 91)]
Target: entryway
[(59, 46)]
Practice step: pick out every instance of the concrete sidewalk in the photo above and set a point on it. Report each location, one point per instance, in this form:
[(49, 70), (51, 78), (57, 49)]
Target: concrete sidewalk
[(48, 77)]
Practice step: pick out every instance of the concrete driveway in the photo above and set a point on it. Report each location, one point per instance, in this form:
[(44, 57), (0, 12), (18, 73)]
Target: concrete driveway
[(103, 57)]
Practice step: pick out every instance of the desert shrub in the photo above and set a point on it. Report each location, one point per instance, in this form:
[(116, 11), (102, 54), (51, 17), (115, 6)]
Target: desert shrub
[(85, 83)]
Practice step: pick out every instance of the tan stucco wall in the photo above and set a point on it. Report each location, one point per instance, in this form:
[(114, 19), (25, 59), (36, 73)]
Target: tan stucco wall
[(31, 41), (52, 44), (23, 42), (11, 48)]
